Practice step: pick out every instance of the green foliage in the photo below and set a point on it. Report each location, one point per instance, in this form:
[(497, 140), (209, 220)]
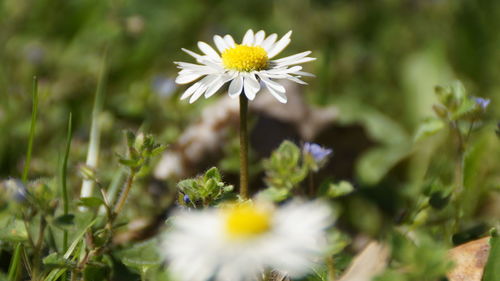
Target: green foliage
[(141, 148), (284, 171), (377, 63), (492, 269), (421, 259), (339, 189), (206, 189)]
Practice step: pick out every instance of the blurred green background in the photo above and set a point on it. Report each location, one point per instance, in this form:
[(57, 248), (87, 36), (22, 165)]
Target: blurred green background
[(378, 62)]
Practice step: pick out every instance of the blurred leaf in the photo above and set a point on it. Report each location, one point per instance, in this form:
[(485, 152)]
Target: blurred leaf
[(141, 256), (274, 194), (469, 260), (65, 221), (92, 202), (376, 163), (13, 230), (429, 127), (368, 263), (339, 189), (57, 260), (95, 272), (492, 269)]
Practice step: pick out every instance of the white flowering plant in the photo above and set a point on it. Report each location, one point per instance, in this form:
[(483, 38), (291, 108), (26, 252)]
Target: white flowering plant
[(289, 212)]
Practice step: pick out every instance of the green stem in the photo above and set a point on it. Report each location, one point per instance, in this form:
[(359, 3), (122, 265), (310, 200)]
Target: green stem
[(243, 147), (123, 196), (15, 263), (330, 263), (32, 129), (64, 187)]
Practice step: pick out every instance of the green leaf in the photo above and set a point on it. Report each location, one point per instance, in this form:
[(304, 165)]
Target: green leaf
[(188, 185), (340, 189), (141, 256), (57, 260), (65, 220), (132, 163), (92, 202), (428, 128), (212, 173), (465, 109), (492, 269), (274, 194), (13, 230), (95, 272)]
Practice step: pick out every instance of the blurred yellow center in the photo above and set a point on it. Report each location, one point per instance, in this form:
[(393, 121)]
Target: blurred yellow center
[(247, 221), (245, 58)]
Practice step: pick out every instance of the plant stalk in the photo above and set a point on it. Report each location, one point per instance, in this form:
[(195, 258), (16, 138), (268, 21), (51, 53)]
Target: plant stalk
[(123, 196), (243, 146)]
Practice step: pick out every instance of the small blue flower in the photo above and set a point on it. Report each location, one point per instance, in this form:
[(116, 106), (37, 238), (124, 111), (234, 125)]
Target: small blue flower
[(163, 87), (318, 152), (18, 189), (482, 102), (186, 199)]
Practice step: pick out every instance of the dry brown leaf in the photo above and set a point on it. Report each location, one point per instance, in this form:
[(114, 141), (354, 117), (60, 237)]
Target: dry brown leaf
[(470, 260), (367, 264)]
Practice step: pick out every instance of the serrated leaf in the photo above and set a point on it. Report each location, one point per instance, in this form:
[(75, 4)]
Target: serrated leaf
[(212, 173)]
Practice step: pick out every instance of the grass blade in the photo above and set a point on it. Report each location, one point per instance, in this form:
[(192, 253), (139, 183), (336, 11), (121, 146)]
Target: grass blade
[(95, 132), (64, 169), (32, 129)]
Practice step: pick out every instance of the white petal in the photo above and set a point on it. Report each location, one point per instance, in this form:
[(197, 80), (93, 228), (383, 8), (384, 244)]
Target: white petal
[(236, 87), (251, 86), (187, 78), (295, 79), (198, 93), (220, 43), (298, 61), (259, 38), (190, 90), (281, 97), (293, 57), (212, 89), (193, 54), (269, 42), (302, 73), (271, 84), (284, 70), (209, 51), (248, 39), (280, 45), (229, 41)]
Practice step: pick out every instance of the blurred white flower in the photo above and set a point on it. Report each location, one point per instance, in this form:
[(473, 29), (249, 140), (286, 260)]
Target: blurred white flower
[(239, 242), (246, 66)]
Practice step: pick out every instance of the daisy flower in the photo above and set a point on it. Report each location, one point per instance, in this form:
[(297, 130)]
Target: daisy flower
[(245, 66), (240, 241)]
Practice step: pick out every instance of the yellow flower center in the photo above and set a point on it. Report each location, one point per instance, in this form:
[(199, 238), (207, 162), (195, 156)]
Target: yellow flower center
[(247, 220), (245, 58)]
